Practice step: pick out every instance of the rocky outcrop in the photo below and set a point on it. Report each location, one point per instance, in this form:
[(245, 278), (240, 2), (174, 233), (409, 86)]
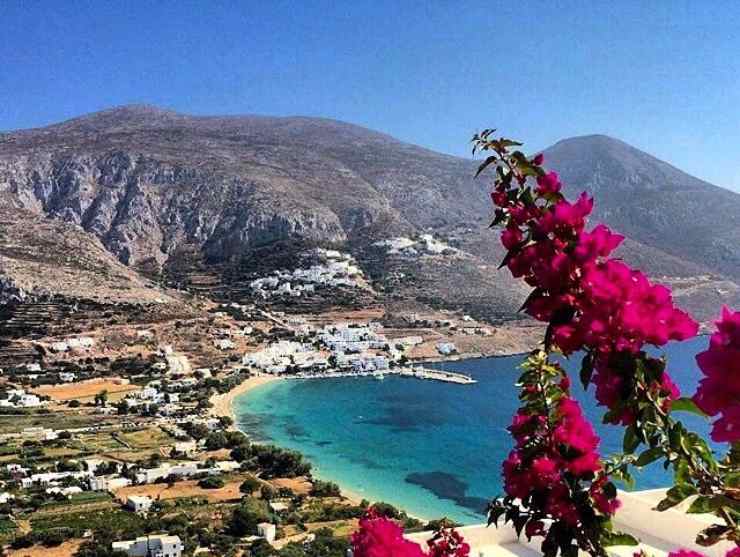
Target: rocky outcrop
[(142, 208)]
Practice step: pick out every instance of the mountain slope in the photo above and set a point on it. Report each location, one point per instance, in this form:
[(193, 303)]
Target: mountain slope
[(653, 202), (41, 258), (163, 190)]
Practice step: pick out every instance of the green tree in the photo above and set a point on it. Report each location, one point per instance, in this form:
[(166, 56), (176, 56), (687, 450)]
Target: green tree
[(211, 482), (249, 485), (101, 399), (247, 515), (216, 440)]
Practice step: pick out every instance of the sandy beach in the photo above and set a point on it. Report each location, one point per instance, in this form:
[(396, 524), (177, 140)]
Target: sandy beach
[(223, 404)]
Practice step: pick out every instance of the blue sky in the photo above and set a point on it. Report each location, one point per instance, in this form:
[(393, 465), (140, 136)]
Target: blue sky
[(661, 75)]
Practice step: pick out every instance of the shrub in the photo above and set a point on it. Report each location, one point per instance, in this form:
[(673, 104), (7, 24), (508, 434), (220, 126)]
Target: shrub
[(211, 482)]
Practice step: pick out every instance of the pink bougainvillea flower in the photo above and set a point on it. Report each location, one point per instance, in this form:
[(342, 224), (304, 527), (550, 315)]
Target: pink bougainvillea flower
[(511, 237), (549, 183), (448, 543), (719, 390), (600, 242), (381, 537), (685, 553)]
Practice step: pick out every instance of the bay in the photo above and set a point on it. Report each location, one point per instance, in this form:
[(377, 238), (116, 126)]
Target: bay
[(432, 448)]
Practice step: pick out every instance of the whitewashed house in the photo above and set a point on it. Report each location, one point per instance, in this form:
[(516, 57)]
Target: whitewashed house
[(151, 546), (267, 530), (139, 503)]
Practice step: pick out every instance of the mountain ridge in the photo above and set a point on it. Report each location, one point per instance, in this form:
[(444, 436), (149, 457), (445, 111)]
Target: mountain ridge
[(150, 183)]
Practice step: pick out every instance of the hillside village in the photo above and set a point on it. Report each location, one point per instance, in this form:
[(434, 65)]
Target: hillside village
[(120, 439)]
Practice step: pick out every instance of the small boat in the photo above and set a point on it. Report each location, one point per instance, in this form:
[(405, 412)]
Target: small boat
[(380, 377)]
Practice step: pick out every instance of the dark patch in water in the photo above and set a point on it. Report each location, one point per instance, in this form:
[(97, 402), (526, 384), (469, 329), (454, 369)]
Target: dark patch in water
[(405, 418), (322, 443), (449, 487), (366, 462), (293, 428), (295, 431)]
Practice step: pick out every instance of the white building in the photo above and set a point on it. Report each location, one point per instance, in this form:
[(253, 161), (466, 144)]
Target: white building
[(66, 491), (107, 483), (66, 376), (49, 478), (266, 530), (18, 398), (178, 364), (408, 341), (276, 357), (223, 344), (151, 546), (60, 346), (85, 342), (139, 503), (184, 469), (446, 348), (186, 448)]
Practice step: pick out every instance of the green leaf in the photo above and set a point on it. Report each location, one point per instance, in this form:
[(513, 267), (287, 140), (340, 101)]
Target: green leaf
[(495, 511), (683, 473), (732, 479), (587, 369), (536, 293), (506, 259), (675, 495), (500, 216), (489, 160), (648, 456), (519, 523), (509, 143), (618, 538), (685, 404), (704, 504), (631, 441), (713, 534)]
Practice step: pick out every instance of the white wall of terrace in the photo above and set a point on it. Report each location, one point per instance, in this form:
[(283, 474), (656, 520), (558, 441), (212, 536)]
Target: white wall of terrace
[(659, 532)]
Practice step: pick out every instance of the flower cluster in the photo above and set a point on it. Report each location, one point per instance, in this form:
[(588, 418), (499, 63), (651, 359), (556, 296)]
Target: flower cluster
[(719, 390), (689, 553), (552, 455), (591, 302), (448, 543), (379, 536)]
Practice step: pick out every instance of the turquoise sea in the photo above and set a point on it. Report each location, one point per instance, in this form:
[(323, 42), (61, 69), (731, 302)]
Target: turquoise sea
[(431, 448)]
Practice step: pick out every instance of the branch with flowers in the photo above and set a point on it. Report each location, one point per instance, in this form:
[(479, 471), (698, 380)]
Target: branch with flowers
[(595, 306), (557, 485)]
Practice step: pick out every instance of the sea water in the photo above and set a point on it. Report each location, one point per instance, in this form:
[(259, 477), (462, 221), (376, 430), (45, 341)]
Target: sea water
[(432, 448)]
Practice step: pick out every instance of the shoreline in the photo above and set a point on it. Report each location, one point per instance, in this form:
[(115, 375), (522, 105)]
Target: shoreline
[(223, 404)]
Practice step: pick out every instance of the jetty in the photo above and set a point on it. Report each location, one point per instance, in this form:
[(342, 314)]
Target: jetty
[(408, 371), (437, 375)]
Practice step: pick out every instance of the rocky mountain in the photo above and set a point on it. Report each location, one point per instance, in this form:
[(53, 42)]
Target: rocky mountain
[(172, 194), (42, 258), (653, 202)]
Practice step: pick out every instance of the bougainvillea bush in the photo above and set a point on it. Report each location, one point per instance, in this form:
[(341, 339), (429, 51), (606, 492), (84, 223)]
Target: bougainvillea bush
[(558, 487)]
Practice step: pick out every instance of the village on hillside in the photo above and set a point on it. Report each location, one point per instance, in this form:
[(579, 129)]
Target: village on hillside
[(121, 439)]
